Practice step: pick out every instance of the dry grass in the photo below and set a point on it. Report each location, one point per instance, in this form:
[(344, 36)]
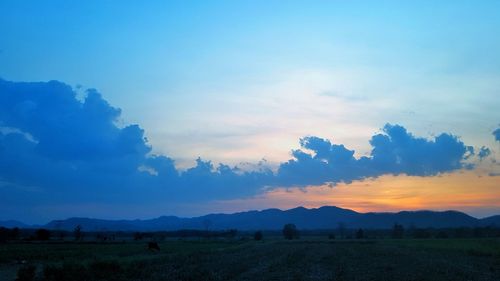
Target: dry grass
[(272, 259)]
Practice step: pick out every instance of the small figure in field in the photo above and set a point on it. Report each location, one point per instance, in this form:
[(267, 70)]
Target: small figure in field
[(152, 246)]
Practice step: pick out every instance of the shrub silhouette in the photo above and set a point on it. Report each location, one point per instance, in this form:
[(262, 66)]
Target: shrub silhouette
[(153, 246), (42, 234), (77, 233), (397, 231), (258, 235), (14, 233), (290, 231), (4, 234), (360, 234), (26, 273), (232, 233), (138, 236)]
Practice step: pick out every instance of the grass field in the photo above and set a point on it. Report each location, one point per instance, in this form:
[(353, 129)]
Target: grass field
[(271, 259)]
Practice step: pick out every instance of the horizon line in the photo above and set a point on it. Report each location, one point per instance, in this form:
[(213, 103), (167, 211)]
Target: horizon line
[(247, 211)]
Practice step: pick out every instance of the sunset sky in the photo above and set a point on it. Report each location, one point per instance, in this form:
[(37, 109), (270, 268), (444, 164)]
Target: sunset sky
[(105, 107)]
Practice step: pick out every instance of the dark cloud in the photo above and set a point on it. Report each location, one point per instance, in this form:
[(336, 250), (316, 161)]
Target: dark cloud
[(483, 153), (75, 151), (399, 152), (496, 133), (395, 152), (72, 150), (71, 143)]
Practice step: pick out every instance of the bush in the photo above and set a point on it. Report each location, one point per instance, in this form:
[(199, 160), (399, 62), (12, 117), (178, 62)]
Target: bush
[(26, 273), (42, 234), (398, 231), (257, 235), (14, 233), (290, 231), (360, 234), (4, 234), (138, 236), (77, 233)]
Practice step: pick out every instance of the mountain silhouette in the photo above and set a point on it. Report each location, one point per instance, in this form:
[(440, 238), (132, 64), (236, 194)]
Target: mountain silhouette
[(493, 220), (327, 217), (13, 223)]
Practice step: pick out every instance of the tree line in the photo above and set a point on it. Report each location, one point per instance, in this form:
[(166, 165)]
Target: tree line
[(289, 232)]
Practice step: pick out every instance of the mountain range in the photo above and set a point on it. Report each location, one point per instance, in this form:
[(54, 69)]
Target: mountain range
[(327, 217)]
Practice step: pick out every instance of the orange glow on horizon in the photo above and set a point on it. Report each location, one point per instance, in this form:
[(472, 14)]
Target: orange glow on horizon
[(478, 195)]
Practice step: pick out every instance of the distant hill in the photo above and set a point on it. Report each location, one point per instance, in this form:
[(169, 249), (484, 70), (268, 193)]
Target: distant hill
[(493, 220), (327, 217), (13, 223), (417, 219)]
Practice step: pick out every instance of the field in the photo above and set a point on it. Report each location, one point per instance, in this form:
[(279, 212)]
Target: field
[(271, 259)]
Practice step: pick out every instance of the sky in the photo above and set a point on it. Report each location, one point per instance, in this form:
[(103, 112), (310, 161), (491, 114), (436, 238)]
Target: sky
[(133, 109)]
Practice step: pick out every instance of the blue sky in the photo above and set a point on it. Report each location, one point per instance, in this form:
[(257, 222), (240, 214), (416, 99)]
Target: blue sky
[(239, 81)]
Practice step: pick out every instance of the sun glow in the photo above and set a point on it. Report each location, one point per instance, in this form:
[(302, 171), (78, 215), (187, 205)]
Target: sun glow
[(466, 191)]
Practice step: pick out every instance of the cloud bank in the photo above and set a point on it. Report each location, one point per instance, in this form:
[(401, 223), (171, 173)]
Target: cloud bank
[(56, 147), (395, 152)]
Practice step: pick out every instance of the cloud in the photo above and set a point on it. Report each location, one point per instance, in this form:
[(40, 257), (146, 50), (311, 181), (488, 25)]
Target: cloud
[(496, 133), (72, 150), (395, 151), (483, 153), (71, 143)]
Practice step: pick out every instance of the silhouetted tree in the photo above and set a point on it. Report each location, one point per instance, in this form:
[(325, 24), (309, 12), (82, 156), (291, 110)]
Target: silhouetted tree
[(360, 234), (77, 233), (42, 234), (9, 234), (258, 235), (153, 246), (398, 231), (232, 233), (4, 234), (290, 231), (14, 233), (138, 236), (101, 236)]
